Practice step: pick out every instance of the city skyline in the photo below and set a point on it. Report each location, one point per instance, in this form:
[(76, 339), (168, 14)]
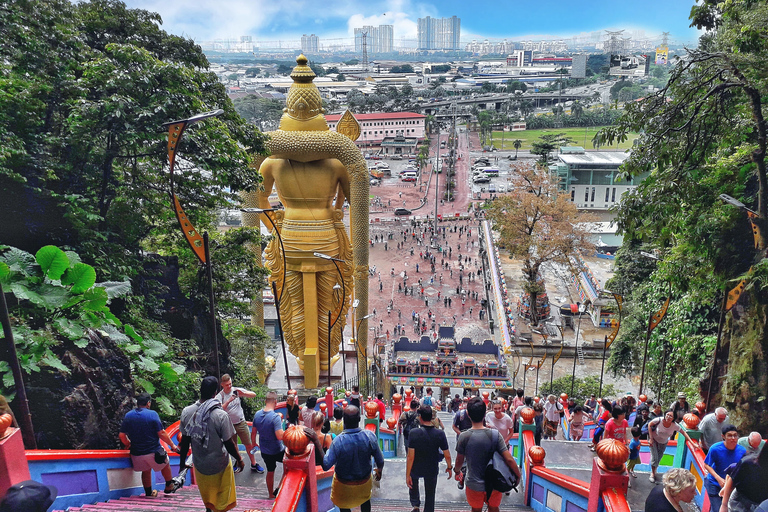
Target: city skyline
[(334, 22)]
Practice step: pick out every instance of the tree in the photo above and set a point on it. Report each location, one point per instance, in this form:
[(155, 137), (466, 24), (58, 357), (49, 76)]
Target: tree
[(404, 68), (265, 113), (284, 69), (341, 78), (517, 144), (485, 120), (86, 88), (317, 68), (233, 77), (406, 91), (539, 225), (251, 72), (548, 143), (704, 134), (577, 110)]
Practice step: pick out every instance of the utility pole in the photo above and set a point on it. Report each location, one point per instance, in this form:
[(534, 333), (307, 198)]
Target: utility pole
[(365, 51)]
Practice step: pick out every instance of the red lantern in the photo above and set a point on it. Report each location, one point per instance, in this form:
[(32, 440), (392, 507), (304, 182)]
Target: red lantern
[(537, 454), (612, 455), (527, 414), (691, 421), (295, 440)]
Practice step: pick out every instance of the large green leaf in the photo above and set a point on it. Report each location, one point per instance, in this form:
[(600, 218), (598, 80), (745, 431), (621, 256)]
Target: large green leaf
[(131, 332), (115, 288), (154, 348), (81, 276), (95, 299), (19, 261), (165, 405), (147, 364), (53, 261), (5, 272), (144, 383), (51, 360), (68, 328), (167, 371)]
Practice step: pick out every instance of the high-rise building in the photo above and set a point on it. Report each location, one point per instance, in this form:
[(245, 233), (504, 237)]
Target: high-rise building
[(439, 34), (310, 44), (377, 39)]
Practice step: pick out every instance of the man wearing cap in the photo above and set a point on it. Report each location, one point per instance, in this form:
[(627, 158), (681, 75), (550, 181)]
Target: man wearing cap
[(29, 496), (141, 432), (711, 428), (681, 407)]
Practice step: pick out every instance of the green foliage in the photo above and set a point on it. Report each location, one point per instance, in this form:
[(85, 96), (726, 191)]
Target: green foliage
[(586, 117), (52, 300), (265, 113), (582, 388), (404, 68), (549, 143)]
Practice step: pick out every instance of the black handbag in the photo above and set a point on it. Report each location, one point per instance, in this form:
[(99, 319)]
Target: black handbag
[(161, 456)]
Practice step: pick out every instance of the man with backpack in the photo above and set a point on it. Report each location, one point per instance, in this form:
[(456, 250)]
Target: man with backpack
[(479, 445), (427, 448), (409, 421), (427, 399)]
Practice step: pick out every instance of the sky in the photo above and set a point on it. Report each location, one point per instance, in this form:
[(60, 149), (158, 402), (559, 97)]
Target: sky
[(334, 20)]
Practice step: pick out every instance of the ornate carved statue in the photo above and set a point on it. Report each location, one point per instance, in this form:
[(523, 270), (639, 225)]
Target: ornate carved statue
[(314, 171)]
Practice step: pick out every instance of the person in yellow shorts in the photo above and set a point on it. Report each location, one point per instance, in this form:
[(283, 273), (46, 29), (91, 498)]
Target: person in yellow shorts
[(351, 453), (209, 431)]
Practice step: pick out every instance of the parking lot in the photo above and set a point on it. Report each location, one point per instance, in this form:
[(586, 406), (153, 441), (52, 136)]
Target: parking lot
[(495, 185)]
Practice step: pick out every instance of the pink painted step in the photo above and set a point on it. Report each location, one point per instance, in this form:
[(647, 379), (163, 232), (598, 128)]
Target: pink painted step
[(184, 500)]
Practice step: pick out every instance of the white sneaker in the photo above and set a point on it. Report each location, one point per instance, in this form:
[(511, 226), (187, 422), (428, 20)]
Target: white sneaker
[(652, 479)]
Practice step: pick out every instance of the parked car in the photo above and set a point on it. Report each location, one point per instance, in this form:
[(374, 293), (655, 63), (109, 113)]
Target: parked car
[(402, 211), (481, 179), (397, 157)]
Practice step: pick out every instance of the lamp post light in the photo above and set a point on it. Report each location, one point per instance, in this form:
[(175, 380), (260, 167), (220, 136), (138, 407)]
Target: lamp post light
[(437, 185), (582, 309), (361, 350), (278, 298), (341, 305)]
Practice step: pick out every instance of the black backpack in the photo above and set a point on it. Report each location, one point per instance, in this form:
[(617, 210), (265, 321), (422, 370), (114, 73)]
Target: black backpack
[(498, 476), (411, 422)]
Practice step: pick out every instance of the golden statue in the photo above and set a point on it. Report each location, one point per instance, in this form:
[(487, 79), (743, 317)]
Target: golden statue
[(314, 171)]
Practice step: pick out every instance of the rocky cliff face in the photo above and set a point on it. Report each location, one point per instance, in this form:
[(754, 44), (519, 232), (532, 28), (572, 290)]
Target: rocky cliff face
[(741, 383), (82, 410)]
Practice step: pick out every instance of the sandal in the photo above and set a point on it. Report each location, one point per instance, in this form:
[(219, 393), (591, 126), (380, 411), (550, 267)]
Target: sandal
[(170, 489), (153, 494)]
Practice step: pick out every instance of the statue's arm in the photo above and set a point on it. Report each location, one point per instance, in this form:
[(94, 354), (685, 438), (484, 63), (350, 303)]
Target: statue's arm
[(343, 179), (268, 182)]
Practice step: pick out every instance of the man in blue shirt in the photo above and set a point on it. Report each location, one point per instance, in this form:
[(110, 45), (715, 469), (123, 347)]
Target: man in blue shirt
[(141, 432), (719, 457), (351, 453), (268, 425)]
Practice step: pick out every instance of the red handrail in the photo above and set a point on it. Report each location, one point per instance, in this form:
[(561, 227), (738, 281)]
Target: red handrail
[(614, 500), (564, 481), (290, 491)]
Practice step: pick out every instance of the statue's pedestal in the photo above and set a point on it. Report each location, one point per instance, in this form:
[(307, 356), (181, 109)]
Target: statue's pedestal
[(277, 379)]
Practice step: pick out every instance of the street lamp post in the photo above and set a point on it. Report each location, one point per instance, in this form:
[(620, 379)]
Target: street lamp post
[(341, 305), (582, 308), (361, 350), (279, 297), (437, 185)]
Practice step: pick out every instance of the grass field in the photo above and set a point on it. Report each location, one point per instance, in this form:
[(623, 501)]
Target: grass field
[(579, 135)]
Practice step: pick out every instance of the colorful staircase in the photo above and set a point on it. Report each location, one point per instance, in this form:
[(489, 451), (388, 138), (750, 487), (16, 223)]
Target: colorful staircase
[(184, 500)]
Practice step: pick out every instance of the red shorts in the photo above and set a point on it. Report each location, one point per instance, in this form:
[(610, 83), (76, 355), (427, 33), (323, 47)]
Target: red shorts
[(477, 498)]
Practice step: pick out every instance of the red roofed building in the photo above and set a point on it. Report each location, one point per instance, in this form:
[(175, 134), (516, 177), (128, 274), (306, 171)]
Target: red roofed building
[(393, 132)]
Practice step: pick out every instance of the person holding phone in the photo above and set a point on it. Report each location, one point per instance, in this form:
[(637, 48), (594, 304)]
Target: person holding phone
[(229, 396)]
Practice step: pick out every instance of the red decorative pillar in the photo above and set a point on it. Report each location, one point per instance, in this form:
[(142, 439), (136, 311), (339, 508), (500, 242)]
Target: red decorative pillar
[(608, 471), (329, 402), (13, 460)]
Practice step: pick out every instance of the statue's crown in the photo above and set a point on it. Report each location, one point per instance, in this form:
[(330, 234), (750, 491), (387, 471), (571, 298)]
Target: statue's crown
[(303, 106)]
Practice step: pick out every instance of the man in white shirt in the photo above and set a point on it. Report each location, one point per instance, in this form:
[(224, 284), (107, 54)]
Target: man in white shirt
[(500, 421), (711, 428), (229, 396)]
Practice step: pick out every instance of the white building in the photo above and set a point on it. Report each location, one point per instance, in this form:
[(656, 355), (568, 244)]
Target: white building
[(393, 132), (439, 33), (310, 44)]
